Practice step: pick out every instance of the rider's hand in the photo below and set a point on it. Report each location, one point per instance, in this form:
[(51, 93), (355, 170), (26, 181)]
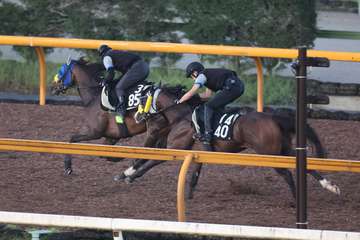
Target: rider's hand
[(177, 101)]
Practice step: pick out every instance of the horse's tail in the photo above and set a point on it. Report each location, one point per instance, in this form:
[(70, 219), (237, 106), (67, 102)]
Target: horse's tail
[(287, 126)]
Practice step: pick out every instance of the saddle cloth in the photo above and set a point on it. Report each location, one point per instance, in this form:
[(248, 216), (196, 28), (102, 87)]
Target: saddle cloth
[(222, 122), (109, 98)]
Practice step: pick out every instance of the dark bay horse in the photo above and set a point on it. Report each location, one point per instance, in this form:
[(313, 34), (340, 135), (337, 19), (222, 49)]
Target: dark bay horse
[(97, 122), (265, 133)]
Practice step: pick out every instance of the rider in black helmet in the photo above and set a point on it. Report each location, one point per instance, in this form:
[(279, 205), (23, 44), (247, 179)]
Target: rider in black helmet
[(134, 70), (224, 82)]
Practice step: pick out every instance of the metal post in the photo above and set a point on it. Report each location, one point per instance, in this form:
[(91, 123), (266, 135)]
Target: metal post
[(35, 234), (181, 188), (301, 184), (42, 75), (260, 84), (117, 235)]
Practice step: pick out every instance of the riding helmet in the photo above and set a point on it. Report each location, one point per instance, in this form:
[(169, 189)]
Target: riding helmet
[(103, 49), (194, 66)]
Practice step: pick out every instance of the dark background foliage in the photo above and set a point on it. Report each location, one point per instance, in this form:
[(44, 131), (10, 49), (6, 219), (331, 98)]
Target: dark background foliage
[(263, 23)]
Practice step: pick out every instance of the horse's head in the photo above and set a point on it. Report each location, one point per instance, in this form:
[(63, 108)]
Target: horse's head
[(160, 99), (64, 78), (84, 75)]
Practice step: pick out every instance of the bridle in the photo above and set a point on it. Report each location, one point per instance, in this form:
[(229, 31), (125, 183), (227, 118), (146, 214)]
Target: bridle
[(150, 110), (66, 80)]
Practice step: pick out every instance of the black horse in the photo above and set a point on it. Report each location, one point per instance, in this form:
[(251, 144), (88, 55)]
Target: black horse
[(265, 133)]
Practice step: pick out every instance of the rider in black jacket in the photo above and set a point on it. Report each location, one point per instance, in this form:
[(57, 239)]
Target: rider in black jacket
[(134, 70), (224, 82)]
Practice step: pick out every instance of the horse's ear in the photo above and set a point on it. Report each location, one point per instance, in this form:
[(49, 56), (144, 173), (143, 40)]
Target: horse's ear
[(83, 60), (160, 84), (68, 61)]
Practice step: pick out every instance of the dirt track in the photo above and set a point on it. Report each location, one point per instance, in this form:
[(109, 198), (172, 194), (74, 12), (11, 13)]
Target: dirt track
[(32, 182)]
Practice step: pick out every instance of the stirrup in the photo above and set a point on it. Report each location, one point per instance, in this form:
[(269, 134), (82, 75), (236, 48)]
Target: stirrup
[(197, 136), (207, 145), (206, 138), (206, 141)]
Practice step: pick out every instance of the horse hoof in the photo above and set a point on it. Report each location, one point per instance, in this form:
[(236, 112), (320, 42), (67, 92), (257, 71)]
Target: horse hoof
[(129, 180), (119, 177), (330, 187), (336, 190), (68, 171)]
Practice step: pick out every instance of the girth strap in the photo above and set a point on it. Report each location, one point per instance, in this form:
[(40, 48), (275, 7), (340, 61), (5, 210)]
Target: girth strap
[(124, 128)]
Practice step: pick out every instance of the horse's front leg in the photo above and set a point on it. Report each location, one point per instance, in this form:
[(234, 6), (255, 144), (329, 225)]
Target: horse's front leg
[(139, 172), (194, 180), (179, 137), (74, 139), (158, 132), (132, 172)]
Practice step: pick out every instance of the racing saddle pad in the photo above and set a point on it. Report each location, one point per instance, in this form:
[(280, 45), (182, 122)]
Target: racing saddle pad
[(109, 99), (222, 122)]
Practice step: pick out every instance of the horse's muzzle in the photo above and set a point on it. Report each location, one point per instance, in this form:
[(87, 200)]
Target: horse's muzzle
[(57, 90)]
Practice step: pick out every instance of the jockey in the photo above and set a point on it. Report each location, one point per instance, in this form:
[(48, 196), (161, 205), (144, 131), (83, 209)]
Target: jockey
[(134, 70), (224, 82)]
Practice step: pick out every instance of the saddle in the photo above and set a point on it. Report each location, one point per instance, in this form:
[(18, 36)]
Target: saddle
[(109, 99), (222, 121)]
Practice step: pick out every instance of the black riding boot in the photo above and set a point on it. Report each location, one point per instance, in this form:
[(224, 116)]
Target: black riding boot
[(120, 110), (208, 113)]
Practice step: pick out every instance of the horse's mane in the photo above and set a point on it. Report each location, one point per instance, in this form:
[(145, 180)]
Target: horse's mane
[(94, 69), (178, 91)]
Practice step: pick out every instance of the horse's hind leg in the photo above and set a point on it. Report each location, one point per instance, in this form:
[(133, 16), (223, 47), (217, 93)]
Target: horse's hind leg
[(288, 151), (194, 180), (127, 174), (286, 174), (324, 182)]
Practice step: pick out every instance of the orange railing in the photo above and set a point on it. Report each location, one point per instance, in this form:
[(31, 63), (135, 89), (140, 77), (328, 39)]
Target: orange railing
[(186, 156)]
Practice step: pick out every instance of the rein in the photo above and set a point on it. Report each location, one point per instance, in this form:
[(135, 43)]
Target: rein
[(162, 111), (91, 87)]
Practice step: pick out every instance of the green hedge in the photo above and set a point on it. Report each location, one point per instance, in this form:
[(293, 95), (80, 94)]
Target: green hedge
[(22, 77)]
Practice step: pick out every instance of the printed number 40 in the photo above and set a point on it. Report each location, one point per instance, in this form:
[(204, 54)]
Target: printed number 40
[(222, 131)]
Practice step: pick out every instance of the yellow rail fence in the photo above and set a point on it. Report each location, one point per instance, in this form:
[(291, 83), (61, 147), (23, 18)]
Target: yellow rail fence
[(7, 144), (253, 52)]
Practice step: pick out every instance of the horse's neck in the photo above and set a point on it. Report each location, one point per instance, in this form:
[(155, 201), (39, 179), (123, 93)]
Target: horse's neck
[(88, 99), (174, 112), (88, 88)]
